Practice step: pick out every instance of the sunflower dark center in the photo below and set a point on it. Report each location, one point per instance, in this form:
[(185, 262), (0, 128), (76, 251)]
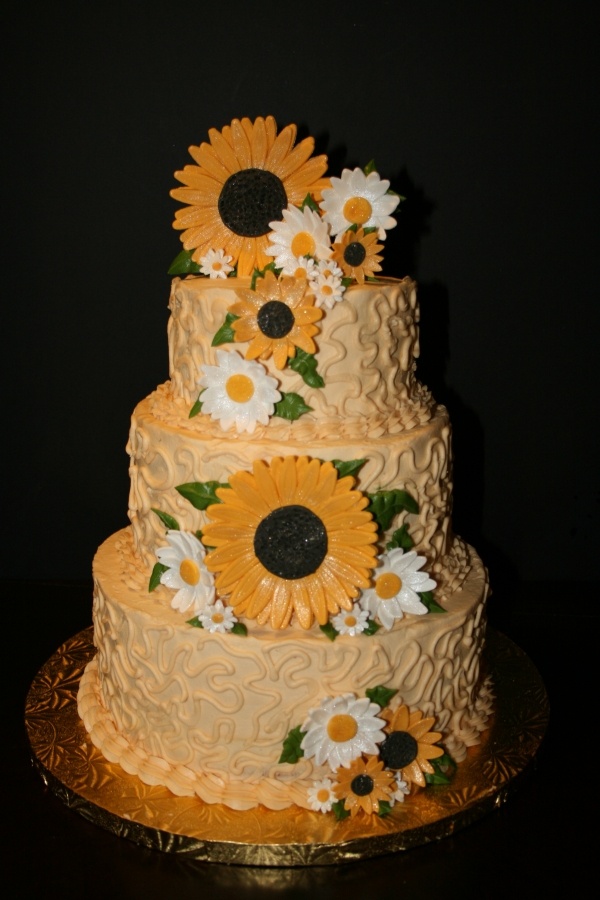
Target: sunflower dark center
[(398, 750), (275, 319), (362, 785), (354, 254), (291, 542), (249, 200)]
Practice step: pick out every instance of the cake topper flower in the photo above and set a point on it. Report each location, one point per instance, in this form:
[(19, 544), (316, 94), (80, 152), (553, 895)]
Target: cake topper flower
[(215, 264), (301, 233), (290, 538), (276, 318), (238, 392), (359, 199), (341, 729), (410, 745), (397, 584), (186, 572), (243, 180), (365, 786), (357, 254)]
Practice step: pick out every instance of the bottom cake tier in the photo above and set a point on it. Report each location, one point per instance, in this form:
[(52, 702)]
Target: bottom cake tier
[(210, 714)]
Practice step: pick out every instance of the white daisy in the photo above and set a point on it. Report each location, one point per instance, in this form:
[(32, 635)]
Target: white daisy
[(341, 729), (397, 584), (359, 199), (216, 264), (301, 233), (217, 618), (186, 572), (306, 267), (238, 391), (321, 796), (328, 290), (402, 789), (353, 622)]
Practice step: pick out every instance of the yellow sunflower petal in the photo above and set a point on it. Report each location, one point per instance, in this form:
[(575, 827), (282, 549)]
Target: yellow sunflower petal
[(241, 145), (223, 150), (281, 147), (429, 751)]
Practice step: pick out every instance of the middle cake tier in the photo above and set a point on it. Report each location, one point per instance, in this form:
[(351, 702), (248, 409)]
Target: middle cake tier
[(169, 452)]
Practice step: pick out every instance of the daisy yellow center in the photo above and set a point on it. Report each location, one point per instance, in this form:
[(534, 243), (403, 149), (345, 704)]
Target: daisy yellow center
[(350, 621), (189, 571), (342, 728), (357, 210), (327, 289), (217, 266), (218, 618), (388, 585), (323, 795), (240, 388), (249, 200), (303, 244)]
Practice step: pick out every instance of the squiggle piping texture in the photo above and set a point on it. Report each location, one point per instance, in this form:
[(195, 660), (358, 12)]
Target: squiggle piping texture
[(207, 714)]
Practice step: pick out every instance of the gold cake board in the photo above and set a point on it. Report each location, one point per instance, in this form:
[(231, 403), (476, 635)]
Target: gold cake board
[(153, 817)]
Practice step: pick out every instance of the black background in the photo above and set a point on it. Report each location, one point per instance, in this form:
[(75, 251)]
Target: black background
[(484, 116)]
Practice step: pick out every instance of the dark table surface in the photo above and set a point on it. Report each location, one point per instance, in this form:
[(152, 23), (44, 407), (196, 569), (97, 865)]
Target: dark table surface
[(536, 845)]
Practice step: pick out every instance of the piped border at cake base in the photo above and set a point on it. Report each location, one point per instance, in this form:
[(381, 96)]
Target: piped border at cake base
[(151, 816)]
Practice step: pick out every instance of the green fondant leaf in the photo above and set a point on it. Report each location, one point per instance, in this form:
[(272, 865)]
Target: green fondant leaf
[(292, 751), (260, 273), (195, 622), (428, 601), (372, 627), (201, 494), (385, 505), (167, 520), (291, 406), (311, 203), (196, 408), (348, 466), (329, 631), (183, 264), (370, 167), (157, 571), (346, 282), (400, 538), (384, 808), (239, 628), (380, 695), (445, 767), (305, 365), (225, 334), (340, 810)]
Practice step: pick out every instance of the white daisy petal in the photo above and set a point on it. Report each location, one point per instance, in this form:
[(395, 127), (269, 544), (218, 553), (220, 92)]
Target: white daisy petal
[(301, 233), (215, 264), (186, 573), (238, 392), (359, 199), (396, 588), (341, 729)]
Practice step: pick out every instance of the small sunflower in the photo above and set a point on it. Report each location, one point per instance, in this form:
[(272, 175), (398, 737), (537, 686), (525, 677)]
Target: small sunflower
[(276, 318), (244, 179), (290, 537), (357, 254), (409, 745), (365, 785)]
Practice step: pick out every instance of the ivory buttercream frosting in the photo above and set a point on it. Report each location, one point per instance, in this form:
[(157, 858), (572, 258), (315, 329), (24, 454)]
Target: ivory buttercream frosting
[(289, 619)]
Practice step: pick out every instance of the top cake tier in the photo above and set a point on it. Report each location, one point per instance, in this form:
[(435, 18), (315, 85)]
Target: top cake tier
[(366, 347)]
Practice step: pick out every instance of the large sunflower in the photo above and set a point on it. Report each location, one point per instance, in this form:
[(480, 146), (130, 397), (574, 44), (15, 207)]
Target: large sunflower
[(246, 176), (410, 745), (290, 537), (276, 318)]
